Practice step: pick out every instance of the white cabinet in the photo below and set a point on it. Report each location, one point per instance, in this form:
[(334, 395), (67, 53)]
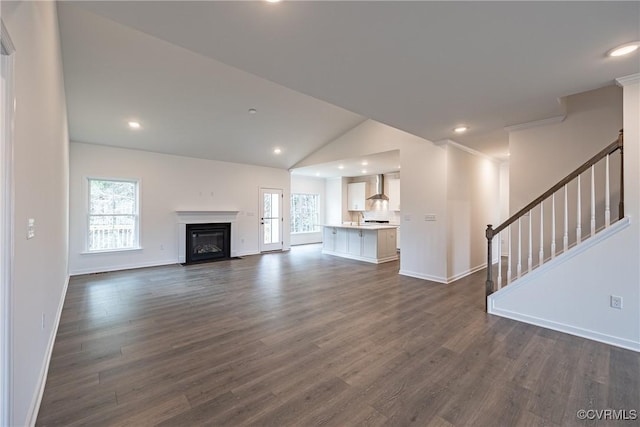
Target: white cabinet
[(341, 240), (329, 238), (394, 194), (335, 239), (356, 196), (354, 242), (386, 243), (371, 245), (370, 241)]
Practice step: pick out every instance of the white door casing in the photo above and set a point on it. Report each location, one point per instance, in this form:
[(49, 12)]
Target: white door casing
[(271, 219), (7, 109)]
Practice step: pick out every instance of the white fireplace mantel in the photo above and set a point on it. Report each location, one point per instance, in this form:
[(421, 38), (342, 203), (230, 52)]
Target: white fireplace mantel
[(203, 217)]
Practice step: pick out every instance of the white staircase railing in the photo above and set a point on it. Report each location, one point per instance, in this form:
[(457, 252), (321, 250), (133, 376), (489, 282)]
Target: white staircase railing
[(546, 237)]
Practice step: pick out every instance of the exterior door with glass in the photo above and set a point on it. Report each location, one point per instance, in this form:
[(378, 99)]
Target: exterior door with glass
[(271, 219)]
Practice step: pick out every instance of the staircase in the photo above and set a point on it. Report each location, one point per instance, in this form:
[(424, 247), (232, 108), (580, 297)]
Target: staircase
[(552, 225)]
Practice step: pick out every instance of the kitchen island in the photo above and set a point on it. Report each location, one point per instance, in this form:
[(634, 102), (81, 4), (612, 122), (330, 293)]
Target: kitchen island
[(369, 243)]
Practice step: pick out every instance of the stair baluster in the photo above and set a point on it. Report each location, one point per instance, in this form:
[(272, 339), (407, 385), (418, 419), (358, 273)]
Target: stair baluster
[(553, 226), (541, 253), (593, 200), (579, 214), (607, 195)]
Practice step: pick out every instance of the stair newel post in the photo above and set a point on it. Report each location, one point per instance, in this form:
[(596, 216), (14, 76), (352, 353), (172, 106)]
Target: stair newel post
[(489, 282), (607, 194), (621, 206)]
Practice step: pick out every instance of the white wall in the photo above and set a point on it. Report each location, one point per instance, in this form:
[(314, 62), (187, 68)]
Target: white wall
[(542, 156), (473, 201), (504, 199), (168, 183), (574, 296), (309, 185), (334, 196), (40, 168)]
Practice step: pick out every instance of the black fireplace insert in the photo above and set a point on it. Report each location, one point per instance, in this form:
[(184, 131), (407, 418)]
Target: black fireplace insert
[(208, 242)]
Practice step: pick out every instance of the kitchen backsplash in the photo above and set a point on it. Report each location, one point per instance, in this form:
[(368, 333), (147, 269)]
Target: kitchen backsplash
[(382, 215)]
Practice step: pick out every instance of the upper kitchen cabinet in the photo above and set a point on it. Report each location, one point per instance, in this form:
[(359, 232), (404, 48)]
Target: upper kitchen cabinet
[(356, 195), (394, 194)]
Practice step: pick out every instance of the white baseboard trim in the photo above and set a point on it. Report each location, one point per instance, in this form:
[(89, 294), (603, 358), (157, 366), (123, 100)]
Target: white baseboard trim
[(468, 272), (361, 258), (78, 272), (423, 276), (246, 253), (443, 280), (568, 329), (34, 408), (81, 271)]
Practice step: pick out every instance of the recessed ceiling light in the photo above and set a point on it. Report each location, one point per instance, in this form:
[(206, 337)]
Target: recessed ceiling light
[(134, 125), (363, 171), (252, 111), (341, 167), (624, 49), (273, 1), (365, 163), (277, 150), (317, 173), (460, 129)]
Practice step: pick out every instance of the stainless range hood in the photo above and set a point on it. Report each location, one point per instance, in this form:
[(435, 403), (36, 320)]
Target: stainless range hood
[(379, 189)]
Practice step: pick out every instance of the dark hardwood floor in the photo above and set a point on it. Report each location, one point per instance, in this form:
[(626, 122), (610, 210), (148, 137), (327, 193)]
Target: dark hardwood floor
[(306, 339)]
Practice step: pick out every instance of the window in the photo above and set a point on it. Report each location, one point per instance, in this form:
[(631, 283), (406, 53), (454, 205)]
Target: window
[(304, 212), (113, 214)]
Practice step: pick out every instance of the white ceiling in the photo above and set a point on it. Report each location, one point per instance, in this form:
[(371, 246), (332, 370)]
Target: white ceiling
[(374, 164), (423, 67), (187, 104)]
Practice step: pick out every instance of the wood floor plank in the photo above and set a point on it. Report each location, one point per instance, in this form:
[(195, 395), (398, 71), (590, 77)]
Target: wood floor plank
[(303, 339)]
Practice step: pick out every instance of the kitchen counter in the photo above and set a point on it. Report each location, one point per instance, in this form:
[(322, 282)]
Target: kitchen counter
[(375, 243), (365, 226)]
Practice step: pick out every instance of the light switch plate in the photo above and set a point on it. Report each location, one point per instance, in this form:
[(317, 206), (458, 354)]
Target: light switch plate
[(430, 217), (31, 228)]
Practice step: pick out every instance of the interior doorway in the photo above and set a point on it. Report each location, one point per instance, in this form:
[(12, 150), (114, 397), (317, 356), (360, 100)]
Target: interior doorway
[(271, 219)]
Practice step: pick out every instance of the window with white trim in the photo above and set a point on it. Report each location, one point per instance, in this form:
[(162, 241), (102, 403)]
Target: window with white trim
[(305, 210), (113, 215)]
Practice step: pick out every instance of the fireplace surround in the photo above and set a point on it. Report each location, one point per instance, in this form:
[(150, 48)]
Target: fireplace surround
[(205, 217)]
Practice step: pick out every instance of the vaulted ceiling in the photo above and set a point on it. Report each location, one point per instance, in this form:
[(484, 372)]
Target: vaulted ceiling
[(190, 71)]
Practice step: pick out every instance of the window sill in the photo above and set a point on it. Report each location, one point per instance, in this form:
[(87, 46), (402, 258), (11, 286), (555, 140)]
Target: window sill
[(110, 251)]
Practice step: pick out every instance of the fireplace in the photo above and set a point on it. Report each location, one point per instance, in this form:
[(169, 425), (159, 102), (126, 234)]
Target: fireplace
[(207, 242)]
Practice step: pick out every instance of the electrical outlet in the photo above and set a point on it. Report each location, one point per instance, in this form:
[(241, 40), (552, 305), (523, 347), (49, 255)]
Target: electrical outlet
[(616, 302), (43, 321), (162, 247)]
